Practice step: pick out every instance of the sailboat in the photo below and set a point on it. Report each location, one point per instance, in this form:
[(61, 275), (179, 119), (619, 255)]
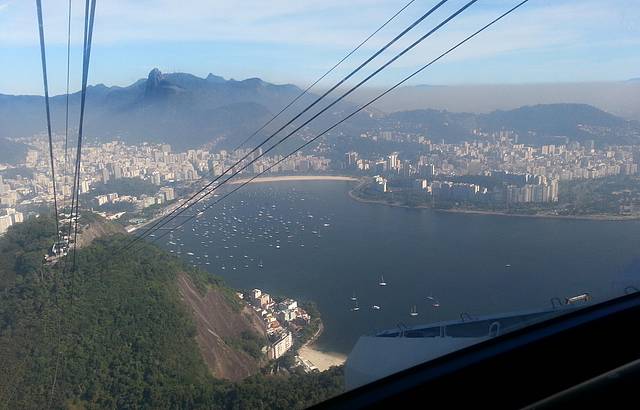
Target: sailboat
[(413, 312), (434, 301), (354, 298), (382, 281)]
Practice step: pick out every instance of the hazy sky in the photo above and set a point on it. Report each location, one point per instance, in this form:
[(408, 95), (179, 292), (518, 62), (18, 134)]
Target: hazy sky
[(294, 41)]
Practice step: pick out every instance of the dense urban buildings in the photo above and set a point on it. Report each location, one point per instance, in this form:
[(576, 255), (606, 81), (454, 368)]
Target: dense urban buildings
[(506, 171), (518, 173), (281, 319), (8, 217), (31, 184)]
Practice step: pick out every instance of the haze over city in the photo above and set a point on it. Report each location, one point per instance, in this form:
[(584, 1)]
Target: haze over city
[(281, 204)]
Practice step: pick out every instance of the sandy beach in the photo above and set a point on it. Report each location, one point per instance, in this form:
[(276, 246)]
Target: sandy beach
[(318, 358), (322, 360), (295, 178)]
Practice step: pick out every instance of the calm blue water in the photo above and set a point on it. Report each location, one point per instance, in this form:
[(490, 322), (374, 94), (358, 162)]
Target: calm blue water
[(316, 243)]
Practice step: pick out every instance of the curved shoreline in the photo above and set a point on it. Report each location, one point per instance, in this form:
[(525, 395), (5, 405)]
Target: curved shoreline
[(319, 358), (610, 218), (294, 178), (575, 217), (314, 337), (355, 197)]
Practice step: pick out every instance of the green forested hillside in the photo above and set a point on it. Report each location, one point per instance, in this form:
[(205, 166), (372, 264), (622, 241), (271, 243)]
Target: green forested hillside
[(115, 334)]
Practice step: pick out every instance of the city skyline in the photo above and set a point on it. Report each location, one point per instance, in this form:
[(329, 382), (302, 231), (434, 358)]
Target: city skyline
[(219, 204), (525, 173)]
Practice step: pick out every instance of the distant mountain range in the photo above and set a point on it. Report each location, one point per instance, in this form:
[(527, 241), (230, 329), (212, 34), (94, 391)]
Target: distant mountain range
[(535, 125), (621, 98), (187, 111), (180, 108)]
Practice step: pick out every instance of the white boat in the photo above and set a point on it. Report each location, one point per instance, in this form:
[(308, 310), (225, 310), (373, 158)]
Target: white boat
[(354, 298), (382, 281), (575, 299), (375, 307), (356, 307), (413, 312), (434, 301)]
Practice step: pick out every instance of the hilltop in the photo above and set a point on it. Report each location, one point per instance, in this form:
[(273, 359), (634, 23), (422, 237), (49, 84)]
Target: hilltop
[(536, 124), (127, 332), (180, 108), (190, 112)]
